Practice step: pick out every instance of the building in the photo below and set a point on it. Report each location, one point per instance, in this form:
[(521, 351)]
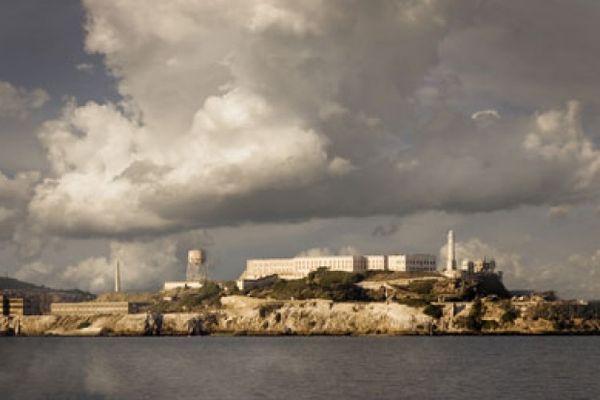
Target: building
[(94, 308), (411, 262), (4, 305), (377, 262), (21, 306), (299, 267)]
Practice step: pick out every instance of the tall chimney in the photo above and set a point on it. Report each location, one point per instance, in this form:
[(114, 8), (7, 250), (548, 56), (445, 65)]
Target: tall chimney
[(117, 278), (451, 259)]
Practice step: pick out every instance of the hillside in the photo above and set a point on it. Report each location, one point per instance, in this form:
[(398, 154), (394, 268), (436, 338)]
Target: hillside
[(40, 294)]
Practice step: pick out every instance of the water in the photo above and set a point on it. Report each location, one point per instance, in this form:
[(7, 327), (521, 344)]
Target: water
[(300, 368)]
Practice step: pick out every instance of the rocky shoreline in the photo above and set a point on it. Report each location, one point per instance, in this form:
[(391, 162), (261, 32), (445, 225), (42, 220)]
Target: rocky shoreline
[(241, 315)]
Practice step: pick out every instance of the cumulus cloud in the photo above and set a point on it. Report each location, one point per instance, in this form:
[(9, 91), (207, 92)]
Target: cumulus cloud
[(17, 102)]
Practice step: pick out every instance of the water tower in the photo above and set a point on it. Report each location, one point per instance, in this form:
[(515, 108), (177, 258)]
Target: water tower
[(196, 267)]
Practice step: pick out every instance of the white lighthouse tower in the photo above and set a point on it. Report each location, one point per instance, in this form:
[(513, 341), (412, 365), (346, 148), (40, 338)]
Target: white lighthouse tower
[(451, 257)]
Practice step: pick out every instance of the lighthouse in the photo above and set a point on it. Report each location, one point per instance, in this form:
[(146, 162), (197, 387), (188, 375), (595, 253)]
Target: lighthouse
[(451, 258)]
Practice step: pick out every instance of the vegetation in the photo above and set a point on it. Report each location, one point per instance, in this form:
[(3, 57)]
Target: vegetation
[(191, 299), (562, 315), (320, 284), (434, 311), (510, 316), (423, 287)]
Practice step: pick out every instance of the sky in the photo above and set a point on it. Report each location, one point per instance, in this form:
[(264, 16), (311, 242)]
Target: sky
[(263, 128)]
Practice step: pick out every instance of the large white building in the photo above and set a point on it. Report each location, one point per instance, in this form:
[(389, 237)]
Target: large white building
[(299, 267)]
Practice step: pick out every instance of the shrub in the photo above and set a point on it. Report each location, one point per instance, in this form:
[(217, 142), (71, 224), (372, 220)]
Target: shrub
[(422, 286), (434, 311), (509, 316)]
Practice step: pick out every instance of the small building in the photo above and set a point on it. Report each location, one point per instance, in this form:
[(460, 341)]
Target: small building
[(94, 308)]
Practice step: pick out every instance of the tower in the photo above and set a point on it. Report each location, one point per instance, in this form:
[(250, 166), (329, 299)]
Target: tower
[(451, 258), (196, 268), (117, 278)]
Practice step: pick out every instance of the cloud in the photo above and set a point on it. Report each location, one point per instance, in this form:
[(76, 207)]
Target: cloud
[(15, 194), (486, 115), (263, 111), (558, 212), (16, 102), (270, 123), (385, 230), (144, 265), (85, 67), (326, 251), (577, 277), (512, 265)]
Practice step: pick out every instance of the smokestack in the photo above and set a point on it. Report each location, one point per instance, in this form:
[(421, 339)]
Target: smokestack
[(117, 278), (451, 259)]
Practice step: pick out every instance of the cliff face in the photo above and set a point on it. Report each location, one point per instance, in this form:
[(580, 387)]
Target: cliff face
[(247, 315)]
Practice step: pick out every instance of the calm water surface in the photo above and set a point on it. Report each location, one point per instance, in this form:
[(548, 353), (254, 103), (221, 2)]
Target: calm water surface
[(300, 368)]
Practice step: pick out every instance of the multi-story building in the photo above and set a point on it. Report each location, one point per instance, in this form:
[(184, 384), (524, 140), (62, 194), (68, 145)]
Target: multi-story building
[(299, 267), (411, 262)]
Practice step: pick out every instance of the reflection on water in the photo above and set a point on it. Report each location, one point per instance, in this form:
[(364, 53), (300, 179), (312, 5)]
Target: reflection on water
[(300, 368)]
